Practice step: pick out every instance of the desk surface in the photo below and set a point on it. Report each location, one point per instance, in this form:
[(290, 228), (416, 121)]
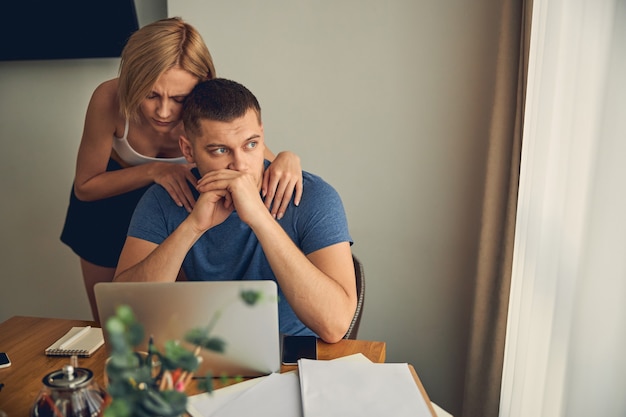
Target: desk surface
[(24, 339)]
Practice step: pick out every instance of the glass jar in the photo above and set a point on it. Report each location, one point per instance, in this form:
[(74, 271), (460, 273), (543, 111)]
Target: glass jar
[(69, 392)]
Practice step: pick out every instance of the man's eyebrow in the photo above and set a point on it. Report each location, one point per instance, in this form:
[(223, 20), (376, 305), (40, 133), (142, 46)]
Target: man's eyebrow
[(221, 145)]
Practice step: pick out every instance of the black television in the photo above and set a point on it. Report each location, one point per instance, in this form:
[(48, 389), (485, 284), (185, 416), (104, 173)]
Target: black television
[(65, 29)]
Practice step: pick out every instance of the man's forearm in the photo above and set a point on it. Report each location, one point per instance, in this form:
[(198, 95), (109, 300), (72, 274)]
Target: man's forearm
[(161, 264), (322, 302)]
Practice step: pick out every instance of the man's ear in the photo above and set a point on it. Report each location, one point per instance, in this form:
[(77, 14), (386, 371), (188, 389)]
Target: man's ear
[(186, 148)]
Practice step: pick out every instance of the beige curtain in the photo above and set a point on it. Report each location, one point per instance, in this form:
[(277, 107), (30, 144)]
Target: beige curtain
[(493, 274)]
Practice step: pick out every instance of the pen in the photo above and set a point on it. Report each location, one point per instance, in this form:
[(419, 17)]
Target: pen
[(74, 338), (151, 345)]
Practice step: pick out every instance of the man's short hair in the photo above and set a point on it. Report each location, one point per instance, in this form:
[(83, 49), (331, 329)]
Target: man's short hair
[(218, 99)]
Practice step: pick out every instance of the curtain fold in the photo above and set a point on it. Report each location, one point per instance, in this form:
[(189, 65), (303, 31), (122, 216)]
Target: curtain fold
[(567, 317), (495, 253)]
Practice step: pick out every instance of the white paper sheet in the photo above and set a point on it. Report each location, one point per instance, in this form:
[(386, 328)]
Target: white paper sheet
[(205, 405), (276, 396), (359, 389)]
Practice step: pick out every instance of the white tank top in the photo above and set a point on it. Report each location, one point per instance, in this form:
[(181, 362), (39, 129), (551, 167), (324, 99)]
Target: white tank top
[(132, 157)]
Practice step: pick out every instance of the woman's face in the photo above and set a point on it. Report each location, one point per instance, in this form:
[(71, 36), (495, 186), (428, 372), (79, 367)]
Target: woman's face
[(163, 106)]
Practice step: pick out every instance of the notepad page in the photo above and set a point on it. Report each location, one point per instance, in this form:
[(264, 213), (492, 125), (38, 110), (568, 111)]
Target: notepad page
[(85, 346)]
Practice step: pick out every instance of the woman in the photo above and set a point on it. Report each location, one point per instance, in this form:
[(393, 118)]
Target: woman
[(130, 141)]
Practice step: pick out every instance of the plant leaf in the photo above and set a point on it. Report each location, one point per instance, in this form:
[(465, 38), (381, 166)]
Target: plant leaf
[(176, 356), (206, 383), (199, 337), (250, 297)]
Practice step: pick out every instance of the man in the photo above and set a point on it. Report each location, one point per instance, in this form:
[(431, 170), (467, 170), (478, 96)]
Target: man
[(230, 234)]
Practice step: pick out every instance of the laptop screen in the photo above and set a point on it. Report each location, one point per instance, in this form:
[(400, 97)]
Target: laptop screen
[(167, 311)]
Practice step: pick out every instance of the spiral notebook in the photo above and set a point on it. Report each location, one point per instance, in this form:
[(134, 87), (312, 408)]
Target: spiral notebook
[(79, 341)]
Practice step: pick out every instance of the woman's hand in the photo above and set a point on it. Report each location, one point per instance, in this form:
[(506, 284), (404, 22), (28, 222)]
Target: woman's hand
[(281, 178), (174, 177)]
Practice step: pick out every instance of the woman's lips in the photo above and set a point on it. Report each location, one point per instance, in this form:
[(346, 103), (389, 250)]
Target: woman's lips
[(160, 123)]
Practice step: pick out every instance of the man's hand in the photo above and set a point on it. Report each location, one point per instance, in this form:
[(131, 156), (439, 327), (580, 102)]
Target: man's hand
[(224, 190), (210, 210)]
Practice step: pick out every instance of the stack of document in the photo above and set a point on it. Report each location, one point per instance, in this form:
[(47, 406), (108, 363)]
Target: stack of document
[(351, 386)]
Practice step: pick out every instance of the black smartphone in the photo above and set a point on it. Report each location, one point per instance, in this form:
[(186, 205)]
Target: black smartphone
[(299, 347), (5, 362)]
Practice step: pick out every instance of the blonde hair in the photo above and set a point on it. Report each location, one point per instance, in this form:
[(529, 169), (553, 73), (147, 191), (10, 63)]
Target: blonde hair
[(154, 49)]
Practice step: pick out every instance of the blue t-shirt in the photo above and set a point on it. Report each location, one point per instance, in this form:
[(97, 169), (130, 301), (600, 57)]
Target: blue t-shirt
[(231, 250)]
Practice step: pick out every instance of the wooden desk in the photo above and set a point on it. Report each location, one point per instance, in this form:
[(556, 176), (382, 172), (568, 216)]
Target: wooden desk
[(24, 339)]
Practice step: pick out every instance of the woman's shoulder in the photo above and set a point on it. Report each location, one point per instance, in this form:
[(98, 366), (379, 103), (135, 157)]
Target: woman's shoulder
[(104, 99), (103, 112), (107, 90)]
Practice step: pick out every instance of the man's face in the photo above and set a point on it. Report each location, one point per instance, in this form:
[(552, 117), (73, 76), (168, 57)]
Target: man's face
[(238, 145)]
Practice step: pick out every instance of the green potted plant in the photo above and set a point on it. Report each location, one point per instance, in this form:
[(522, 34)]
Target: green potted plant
[(146, 384)]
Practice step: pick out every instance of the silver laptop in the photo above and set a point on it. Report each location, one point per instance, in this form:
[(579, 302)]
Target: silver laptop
[(168, 311)]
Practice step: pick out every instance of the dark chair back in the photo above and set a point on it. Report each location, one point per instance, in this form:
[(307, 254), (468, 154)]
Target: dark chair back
[(360, 294)]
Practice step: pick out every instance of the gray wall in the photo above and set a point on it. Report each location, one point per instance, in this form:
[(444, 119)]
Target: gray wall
[(388, 101)]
